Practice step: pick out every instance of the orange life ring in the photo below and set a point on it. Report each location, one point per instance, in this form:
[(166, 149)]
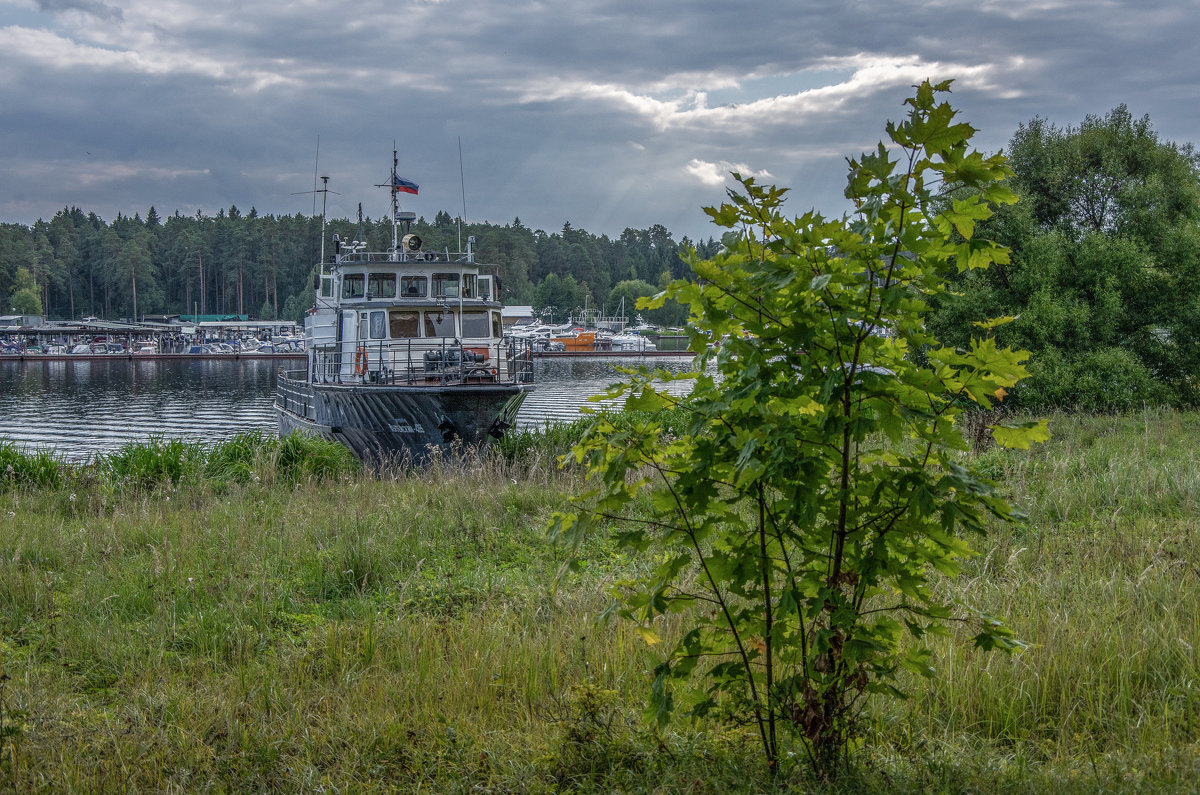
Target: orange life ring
[(360, 361)]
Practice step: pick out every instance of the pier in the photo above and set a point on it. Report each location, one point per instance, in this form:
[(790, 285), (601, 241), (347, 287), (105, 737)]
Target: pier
[(31, 337)]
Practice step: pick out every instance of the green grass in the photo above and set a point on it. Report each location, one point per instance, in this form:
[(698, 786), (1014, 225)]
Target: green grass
[(1103, 582), (251, 617)]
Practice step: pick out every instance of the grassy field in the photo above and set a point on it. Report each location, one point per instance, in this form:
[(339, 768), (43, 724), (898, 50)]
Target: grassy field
[(259, 618)]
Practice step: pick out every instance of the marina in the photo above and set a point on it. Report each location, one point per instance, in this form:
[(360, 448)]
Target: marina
[(34, 337), (147, 356)]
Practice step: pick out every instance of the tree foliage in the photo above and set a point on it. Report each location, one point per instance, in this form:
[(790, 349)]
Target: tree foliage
[(244, 263), (1103, 279), (820, 481), (26, 299)]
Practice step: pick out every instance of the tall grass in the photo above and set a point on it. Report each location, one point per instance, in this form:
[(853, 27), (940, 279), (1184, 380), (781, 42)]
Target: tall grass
[(357, 634), (1103, 582), (165, 463), (38, 469), (258, 625), (157, 462)]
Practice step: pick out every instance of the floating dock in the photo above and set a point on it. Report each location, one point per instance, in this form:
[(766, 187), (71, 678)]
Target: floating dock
[(93, 357), (611, 354)]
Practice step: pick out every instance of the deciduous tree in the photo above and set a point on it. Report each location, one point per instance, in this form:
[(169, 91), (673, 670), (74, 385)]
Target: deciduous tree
[(1104, 278), (820, 481)]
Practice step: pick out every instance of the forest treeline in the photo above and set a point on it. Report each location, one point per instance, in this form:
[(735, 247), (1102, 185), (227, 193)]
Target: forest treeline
[(1103, 283), (236, 263)]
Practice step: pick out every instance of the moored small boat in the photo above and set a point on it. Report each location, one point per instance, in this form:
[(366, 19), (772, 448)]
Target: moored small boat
[(634, 343)]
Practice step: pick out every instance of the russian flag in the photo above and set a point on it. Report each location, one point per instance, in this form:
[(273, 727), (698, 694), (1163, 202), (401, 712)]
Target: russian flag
[(402, 185)]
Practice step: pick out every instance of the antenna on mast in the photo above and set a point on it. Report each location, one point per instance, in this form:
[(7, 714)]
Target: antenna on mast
[(324, 197), (316, 160), (324, 191), (462, 182)]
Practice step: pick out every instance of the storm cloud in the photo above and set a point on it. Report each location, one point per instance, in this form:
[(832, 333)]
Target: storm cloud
[(607, 113)]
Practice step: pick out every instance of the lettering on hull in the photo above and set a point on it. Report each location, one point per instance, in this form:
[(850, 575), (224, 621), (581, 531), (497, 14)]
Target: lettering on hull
[(404, 426)]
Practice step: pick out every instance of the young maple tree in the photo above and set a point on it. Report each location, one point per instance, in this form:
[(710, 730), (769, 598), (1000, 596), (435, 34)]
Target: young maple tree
[(820, 478)]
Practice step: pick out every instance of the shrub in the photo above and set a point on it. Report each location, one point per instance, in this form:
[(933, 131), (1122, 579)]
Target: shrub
[(819, 483)]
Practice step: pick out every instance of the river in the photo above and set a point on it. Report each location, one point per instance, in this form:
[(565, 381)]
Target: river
[(81, 408)]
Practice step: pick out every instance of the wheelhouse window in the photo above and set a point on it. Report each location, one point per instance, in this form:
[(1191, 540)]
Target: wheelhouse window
[(352, 285), (474, 324), (371, 325), (327, 287), (445, 285), (497, 325), (469, 286), (381, 285), (485, 287), (439, 324), (414, 286), (404, 324), (378, 325)]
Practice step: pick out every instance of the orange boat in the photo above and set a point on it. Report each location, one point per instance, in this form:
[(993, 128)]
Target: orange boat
[(579, 341)]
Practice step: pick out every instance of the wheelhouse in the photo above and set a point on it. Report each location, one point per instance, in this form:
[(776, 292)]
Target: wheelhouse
[(407, 315)]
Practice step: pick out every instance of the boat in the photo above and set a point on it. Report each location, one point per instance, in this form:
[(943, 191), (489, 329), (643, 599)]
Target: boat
[(594, 319), (631, 342), (642, 327), (542, 331), (577, 340), (405, 353)]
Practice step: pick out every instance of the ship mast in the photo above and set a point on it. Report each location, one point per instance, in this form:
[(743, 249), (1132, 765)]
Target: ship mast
[(395, 200), (393, 186), (324, 195)]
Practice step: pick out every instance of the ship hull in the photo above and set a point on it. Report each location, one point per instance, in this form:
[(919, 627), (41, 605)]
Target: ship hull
[(398, 423)]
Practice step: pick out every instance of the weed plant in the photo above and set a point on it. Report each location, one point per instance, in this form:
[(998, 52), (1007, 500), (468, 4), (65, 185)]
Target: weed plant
[(322, 627)]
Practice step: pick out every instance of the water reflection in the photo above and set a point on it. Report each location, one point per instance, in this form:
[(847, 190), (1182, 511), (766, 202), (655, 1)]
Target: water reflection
[(79, 408), (565, 385)]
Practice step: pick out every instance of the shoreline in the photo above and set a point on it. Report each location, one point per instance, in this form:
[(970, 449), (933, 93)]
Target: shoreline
[(610, 354), (38, 357), (42, 357)]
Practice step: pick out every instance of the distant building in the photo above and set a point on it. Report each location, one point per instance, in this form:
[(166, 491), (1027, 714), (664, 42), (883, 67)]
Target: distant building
[(17, 322), (511, 314)]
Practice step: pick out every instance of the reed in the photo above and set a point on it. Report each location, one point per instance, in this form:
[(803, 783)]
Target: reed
[(239, 628), (156, 462), (548, 442), (37, 469)]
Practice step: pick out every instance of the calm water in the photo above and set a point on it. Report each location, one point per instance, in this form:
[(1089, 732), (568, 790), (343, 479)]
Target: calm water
[(79, 408)]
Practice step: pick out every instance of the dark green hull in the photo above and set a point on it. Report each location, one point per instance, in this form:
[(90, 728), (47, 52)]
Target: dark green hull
[(396, 422)]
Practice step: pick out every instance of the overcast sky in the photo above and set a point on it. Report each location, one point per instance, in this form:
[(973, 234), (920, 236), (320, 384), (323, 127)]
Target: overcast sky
[(605, 113)]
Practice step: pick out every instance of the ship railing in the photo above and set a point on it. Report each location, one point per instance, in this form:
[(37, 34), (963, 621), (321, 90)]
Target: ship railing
[(371, 257), (422, 362), (293, 395)]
